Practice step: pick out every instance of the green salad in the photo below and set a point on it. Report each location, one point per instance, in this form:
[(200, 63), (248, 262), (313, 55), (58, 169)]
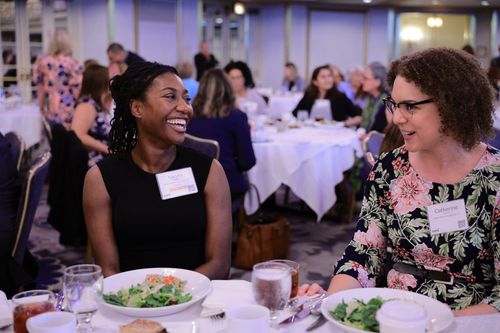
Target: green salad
[(359, 314), (156, 291)]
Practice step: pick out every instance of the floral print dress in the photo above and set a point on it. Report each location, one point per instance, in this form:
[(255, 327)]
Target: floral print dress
[(394, 216), (99, 130), (60, 77)]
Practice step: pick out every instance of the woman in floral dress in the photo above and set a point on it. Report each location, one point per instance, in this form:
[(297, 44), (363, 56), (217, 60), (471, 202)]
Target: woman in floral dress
[(58, 77), (91, 121), (430, 221)]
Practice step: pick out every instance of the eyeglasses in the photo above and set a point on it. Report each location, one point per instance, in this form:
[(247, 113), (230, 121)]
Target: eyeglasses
[(407, 108)]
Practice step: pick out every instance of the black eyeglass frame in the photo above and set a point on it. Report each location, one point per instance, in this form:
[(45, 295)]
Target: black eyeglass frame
[(391, 105)]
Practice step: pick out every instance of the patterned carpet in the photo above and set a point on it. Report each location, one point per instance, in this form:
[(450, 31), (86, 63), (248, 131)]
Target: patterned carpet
[(317, 247)]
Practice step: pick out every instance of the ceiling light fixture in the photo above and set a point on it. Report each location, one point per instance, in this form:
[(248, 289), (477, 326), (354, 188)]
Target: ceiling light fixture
[(367, 1), (434, 22), (411, 34), (485, 3), (239, 8)]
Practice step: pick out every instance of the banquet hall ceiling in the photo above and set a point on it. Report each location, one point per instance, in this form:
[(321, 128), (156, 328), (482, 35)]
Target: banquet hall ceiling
[(392, 3)]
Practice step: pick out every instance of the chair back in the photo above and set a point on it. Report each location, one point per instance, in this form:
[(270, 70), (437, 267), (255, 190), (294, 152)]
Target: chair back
[(495, 142), (30, 196), (17, 147), (205, 146), (373, 142), (47, 129)]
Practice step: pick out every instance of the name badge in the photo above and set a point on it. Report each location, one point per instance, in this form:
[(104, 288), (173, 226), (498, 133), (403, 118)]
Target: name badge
[(176, 183), (447, 217)]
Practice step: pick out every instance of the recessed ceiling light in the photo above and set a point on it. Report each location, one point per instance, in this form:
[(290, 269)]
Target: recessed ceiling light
[(485, 3), (367, 1), (435, 2)]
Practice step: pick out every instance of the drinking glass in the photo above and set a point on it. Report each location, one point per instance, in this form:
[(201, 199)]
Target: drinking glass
[(28, 304), (83, 291), (302, 116), (294, 272), (271, 284)]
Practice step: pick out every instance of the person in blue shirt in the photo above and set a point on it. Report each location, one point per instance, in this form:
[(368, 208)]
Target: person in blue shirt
[(186, 70), (216, 117)]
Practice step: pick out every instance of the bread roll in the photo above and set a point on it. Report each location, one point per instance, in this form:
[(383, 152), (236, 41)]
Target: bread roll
[(143, 326)]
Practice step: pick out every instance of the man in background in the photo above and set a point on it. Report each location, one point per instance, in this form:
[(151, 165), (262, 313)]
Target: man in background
[(117, 54), (204, 60)]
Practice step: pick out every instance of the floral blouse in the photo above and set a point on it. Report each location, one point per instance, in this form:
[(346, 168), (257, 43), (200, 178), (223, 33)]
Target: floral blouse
[(61, 78), (99, 130), (394, 216)]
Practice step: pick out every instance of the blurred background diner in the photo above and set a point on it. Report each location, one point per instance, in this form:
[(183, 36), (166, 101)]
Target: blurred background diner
[(266, 81)]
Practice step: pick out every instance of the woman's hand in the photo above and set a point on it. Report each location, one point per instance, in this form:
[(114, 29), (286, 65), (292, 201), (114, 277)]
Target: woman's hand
[(310, 290)]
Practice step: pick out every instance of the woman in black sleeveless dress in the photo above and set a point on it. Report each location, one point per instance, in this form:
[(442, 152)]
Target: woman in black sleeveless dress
[(138, 213)]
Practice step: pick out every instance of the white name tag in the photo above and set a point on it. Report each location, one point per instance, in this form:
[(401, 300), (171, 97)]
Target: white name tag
[(176, 183), (447, 217)]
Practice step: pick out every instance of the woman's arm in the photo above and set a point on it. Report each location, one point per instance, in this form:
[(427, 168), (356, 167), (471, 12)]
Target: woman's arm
[(338, 283), (219, 225), (83, 119), (97, 211)]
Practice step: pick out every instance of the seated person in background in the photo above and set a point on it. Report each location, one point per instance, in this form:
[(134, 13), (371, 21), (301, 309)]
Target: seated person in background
[(392, 139), (216, 117), (375, 116), (91, 121), (186, 70), (322, 87), (242, 83), (136, 216), (89, 62), (353, 87), (292, 81), (443, 161)]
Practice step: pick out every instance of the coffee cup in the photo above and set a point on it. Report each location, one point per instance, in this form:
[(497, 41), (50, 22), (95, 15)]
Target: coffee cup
[(247, 319), (52, 322)]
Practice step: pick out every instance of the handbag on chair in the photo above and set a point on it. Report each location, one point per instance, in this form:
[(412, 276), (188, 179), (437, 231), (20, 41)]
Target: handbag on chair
[(262, 237)]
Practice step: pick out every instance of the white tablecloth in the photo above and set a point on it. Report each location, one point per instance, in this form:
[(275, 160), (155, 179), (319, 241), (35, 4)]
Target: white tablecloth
[(189, 321), (311, 161), (26, 120), (279, 104)]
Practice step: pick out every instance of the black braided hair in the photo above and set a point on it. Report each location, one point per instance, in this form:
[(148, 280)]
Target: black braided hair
[(132, 84)]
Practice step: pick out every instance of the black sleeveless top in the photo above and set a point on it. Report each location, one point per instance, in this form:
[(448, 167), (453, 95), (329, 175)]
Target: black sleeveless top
[(149, 231)]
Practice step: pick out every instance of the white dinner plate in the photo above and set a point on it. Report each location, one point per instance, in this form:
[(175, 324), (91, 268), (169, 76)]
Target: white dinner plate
[(440, 315), (198, 285)]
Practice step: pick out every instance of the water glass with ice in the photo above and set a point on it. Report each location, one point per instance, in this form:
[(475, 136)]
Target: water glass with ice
[(83, 291), (271, 284)]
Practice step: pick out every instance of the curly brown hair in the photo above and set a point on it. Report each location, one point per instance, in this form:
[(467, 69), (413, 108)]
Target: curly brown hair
[(459, 87)]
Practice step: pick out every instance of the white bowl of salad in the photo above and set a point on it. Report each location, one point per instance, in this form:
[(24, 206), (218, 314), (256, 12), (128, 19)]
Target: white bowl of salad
[(354, 310), (154, 292)]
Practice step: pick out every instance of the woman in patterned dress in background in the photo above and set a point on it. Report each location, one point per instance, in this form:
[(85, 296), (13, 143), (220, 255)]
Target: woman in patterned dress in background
[(58, 77), (443, 105), (91, 121)]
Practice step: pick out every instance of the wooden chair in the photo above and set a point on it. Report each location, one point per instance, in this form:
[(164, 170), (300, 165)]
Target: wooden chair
[(205, 146), (30, 196), (17, 147)]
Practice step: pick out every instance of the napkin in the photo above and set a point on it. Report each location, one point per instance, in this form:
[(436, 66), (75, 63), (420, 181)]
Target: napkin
[(5, 311), (225, 294)]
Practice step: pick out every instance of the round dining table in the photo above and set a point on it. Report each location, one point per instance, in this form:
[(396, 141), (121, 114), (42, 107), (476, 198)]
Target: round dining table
[(190, 321), (25, 120), (310, 160)]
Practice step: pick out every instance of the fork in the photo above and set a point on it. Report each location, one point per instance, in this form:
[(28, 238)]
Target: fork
[(217, 316)]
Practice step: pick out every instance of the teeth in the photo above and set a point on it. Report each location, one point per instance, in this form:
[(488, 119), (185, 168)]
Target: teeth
[(178, 122)]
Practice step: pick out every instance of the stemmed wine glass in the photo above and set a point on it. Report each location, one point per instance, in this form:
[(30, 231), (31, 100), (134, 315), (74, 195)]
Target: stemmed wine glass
[(83, 291), (271, 284)]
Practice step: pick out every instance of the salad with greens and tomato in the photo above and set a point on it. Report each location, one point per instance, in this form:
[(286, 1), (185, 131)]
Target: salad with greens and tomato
[(359, 314), (156, 291)]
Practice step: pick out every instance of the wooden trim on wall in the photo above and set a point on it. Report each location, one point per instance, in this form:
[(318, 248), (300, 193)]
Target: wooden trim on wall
[(136, 26)]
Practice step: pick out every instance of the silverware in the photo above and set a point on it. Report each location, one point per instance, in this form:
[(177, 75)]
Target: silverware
[(299, 313), (319, 322), (217, 316)]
